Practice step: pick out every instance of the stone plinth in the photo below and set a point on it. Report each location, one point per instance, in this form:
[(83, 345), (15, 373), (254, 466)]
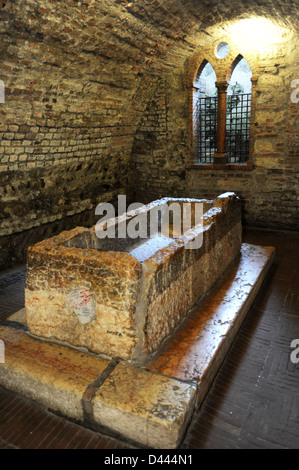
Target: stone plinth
[(123, 297), (149, 406)]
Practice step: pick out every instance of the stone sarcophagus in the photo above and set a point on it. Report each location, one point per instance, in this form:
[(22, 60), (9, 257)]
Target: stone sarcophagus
[(122, 297)]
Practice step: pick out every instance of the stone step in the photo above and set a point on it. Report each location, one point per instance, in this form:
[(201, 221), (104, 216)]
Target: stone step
[(198, 347), (115, 398), (151, 406)]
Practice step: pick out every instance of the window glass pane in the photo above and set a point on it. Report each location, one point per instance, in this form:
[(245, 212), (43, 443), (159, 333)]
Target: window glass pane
[(206, 111), (240, 81), (238, 109)]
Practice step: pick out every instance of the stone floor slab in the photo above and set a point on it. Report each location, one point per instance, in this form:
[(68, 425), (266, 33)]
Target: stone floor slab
[(197, 349), (142, 405), (18, 318), (53, 375), (151, 406)]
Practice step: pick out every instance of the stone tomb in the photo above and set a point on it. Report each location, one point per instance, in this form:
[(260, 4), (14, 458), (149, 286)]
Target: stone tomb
[(122, 297), (151, 405)]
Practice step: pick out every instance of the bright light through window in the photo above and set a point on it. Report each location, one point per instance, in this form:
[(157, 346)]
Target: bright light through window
[(255, 34)]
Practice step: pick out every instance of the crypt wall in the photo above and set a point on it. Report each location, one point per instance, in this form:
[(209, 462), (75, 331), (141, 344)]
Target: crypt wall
[(97, 104), (268, 188)]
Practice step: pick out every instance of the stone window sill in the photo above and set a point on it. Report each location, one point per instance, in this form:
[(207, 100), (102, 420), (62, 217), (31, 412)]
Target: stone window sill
[(227, 166)]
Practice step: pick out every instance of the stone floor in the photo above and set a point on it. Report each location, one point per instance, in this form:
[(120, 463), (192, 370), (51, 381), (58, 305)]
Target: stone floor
[(253, 402)]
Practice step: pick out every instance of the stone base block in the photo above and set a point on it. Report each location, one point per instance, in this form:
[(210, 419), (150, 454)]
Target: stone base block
[(52, 375), (150, 406), (125, 401)]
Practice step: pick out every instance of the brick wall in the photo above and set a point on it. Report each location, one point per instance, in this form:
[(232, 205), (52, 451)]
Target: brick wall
[(96, 105), (73, 98), (162, 147)]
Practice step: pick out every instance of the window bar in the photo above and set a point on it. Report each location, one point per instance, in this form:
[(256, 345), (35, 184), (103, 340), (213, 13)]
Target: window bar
[(207, 129), (238, 127)]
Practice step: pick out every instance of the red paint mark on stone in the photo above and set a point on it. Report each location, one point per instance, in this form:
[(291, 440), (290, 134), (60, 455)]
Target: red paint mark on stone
[(85, 297)]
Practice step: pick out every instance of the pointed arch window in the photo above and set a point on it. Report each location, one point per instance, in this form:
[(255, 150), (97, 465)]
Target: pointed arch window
[(222, 117), (238, 111), (205, 113)]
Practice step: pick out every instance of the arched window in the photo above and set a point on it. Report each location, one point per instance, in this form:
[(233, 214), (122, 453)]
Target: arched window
[(238, 110), (222, 114), (205, 113)]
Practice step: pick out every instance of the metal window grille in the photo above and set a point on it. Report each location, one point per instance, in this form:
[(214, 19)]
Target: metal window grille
[(207, 128), (238, 109)]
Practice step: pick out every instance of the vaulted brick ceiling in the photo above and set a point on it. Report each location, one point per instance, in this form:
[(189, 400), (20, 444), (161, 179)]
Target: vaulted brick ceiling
[(135, 35), (108, 51)]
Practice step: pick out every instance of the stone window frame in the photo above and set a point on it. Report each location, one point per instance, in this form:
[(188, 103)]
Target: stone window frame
[(223, 69)]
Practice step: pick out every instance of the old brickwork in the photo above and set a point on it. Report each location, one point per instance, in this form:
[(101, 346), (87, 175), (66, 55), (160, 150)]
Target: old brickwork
[(96, 104), (68, 120), (269, 189)]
